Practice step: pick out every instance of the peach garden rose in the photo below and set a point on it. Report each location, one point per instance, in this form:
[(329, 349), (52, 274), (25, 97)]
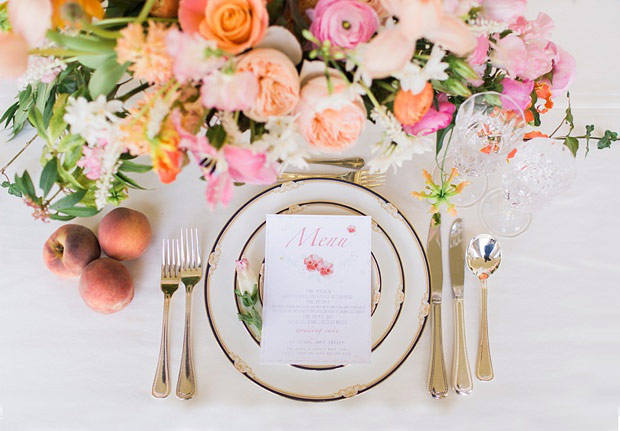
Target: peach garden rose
[(235, 25), (332, 122), (278, 83)]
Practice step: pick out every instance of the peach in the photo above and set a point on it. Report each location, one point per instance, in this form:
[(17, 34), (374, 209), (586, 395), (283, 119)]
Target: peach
[(69, 249), (106, 286), (124, 234)]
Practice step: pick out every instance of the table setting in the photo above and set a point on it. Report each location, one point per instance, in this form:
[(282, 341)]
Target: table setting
[(227, 214)]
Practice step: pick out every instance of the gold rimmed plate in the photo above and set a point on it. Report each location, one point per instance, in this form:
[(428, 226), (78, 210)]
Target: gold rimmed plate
[(400, 313)]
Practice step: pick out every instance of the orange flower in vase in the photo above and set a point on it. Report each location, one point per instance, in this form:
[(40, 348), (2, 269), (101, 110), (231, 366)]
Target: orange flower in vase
[(409, 108), (65, 12)]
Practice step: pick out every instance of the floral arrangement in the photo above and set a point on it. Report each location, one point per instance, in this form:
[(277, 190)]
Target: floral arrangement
[(242, 89)]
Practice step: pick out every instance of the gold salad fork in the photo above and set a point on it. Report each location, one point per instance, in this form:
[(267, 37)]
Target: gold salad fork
[(170, 276), (191, 272), (363, 178)]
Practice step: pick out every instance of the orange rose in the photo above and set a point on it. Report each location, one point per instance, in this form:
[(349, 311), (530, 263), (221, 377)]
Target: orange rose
[(409, 107), (235, 25), (91, 8), (278, 83)]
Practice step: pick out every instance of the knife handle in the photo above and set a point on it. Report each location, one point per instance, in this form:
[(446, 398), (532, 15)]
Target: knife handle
[(461, 375), (437, 381)]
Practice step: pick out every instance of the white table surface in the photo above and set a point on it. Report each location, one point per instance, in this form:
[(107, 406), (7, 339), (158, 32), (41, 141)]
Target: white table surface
[(554, 319)]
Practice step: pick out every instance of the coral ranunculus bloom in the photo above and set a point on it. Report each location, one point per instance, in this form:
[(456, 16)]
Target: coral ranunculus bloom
[(409, 108), (91, 8)]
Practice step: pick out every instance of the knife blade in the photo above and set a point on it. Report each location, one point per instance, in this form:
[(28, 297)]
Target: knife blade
[(437, 380), (461, 374)]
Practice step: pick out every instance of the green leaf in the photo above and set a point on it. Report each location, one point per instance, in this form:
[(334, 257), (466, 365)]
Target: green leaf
[(79, 211), (48, 176), (441, 134), (69, 142), (72, 157), (127, 166), (60, 217), (589, 130), (572, 144), (36, 119), (94, 61), (128, 181), (57, 123), (9, 114), (607, 139), (68, 201), (106, 77), (82, 43), (216, 135), (69, 178)]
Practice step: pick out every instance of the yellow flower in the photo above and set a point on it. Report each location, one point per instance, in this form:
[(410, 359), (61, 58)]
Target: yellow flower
[(438, 194)]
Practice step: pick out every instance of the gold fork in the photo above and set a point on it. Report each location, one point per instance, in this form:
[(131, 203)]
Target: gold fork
[(191, 272), (363, 178), (170, 278)]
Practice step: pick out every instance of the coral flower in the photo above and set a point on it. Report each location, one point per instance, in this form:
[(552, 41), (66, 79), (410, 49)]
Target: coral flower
[(409, 108), (434, 119), (90, 9), (13, 55), (235, 25), (165, 154)]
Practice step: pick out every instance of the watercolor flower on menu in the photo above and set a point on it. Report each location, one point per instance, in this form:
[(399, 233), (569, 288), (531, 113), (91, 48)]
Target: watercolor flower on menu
[(325, 268), (278, 83), (313, 262), (344, 23), (330, 122), (235, 25)]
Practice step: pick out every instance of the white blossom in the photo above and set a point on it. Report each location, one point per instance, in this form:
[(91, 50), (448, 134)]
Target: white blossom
[(92, 120), (40, 69), (396, 145), (109, 166), (282, 144), (413, 78), (157, 114), (483, 26)]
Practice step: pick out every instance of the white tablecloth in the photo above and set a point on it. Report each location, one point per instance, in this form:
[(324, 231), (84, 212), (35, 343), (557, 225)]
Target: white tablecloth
[(554, 320)]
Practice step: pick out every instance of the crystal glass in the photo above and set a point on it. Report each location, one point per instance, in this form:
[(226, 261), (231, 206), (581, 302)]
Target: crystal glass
[(472, 193), (540, 169)]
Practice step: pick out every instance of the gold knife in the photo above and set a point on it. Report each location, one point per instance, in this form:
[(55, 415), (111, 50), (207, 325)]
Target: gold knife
[(461, 374), (437, 381)]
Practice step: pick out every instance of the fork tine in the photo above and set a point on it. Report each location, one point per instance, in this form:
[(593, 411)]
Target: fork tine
[(163, 253), (198, 260), (182, 251), (193, 251), (178, 267)]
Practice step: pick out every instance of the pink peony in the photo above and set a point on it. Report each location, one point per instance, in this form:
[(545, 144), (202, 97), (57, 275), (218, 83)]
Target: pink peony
[(434, 119), (13, 55), (229, 91), (503, 10), (386, 54), (344, 23), (278, 83), (518, 91), (564, 66), (510, 54), (190, 62), (330, 122)]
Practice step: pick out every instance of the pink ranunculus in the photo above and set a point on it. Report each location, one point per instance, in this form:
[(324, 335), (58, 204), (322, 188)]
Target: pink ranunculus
[(344, 23), (518, 91), (540, 28), (386, 54), (13, 55), (229, 91), (564, 66), (503, 10), (247, 166), (434, 119), (479, 54), (30, 18), (510, 54), (188, 52), (540, 57), (330, 122), (278, 83)]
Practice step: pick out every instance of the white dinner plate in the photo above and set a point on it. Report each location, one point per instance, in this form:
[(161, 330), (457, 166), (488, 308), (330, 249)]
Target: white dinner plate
[(400, 288)]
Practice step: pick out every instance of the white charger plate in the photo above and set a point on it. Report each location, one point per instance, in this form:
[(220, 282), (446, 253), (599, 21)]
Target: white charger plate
[(401, 275)]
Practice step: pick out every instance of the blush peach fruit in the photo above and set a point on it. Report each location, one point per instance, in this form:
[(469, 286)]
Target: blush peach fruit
[(124, 234), (69, 249), (106, 286)]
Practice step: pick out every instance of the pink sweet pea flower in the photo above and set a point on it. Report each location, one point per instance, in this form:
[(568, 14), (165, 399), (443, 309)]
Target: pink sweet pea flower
[(229, 91), (518, 91), (344, 23), (247, 166), (479, 55), (564, 66), (434, 119), (503, 10), (510, 54), (91, 161), (540, 28), (540, 57), (189, 54)]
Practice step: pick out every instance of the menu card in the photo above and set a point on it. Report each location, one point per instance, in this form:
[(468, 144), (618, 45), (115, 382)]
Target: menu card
[(316, 300)]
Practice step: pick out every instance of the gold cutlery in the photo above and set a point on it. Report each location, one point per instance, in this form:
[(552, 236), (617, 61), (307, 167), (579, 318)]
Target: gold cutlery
[(169, 284), (461, 374), (349, 162), (363, 178), (191, 272), (437, 381), (484, 255)]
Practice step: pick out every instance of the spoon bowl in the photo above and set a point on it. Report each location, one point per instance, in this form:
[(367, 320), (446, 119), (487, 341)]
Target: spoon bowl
[(484, 255)]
